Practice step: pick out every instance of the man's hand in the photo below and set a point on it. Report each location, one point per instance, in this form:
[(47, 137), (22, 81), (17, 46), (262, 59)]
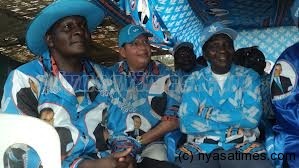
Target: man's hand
[(116, 160), (123, 159)]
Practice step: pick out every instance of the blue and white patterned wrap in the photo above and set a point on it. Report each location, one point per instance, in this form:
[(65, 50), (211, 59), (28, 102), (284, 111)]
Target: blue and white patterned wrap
[(138, 95), (222, 115), (47, 90)]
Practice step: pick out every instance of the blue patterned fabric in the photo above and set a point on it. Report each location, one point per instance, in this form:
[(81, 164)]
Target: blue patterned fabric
[(218, 118), (138, 98), (285, 106), (243, 14), (268, 24), (271, 41), (33, 90)]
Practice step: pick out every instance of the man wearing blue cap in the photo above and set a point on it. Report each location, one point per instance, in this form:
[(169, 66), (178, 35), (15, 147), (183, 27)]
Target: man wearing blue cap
[(184, 63), (146, 91), (185, 59), (64, 82), (221, 108)]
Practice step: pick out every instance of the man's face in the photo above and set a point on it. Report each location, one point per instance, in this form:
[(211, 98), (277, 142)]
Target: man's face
[(47, 116), (137, 53), (218, 51), (277, 70), (184, 59), (137, 122), (69, 36)]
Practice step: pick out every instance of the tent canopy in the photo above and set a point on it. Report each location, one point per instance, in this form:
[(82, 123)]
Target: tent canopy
[(270, 24)]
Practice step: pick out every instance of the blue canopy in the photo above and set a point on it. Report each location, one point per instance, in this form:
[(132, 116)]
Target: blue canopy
[(269, 24)]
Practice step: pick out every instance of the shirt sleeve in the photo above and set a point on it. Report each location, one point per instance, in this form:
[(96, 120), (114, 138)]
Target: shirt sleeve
[(173, 103)]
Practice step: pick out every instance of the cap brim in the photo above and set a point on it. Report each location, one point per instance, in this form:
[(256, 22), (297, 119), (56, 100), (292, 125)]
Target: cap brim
[(35, 36), (230, 32), (183, 44)]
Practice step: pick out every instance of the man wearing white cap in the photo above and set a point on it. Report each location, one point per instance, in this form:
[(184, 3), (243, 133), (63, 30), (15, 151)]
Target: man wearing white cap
[(221, 108), (64, 81)]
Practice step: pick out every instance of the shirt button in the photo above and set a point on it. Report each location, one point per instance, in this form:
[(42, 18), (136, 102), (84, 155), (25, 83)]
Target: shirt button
[(219, 143)]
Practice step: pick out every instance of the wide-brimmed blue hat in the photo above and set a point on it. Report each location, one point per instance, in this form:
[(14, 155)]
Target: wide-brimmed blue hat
[(35, 36), (216, 28), (129, 33)]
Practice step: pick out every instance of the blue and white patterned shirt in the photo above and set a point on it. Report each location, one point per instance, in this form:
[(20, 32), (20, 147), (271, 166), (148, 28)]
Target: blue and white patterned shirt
[(221, 118)]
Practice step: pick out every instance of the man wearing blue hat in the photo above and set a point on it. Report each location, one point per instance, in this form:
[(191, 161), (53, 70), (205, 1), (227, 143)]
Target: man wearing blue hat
[(64, 82), (221, 108), (146, 91)]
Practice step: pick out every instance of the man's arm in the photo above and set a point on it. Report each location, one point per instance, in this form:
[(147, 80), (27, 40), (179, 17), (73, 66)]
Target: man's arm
[(169, 120), (159, 131), (248, 110)]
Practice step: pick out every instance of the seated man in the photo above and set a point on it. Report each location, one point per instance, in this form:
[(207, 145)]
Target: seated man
[(55, 87), (185, 59), (184, 63), (252, 57), (285, 106), (221, 108), (146, 98)]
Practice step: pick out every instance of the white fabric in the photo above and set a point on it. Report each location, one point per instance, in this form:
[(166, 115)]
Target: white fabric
[(220, 79), (155, 151)]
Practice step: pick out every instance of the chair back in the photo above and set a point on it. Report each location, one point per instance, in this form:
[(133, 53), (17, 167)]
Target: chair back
[(39, 135)]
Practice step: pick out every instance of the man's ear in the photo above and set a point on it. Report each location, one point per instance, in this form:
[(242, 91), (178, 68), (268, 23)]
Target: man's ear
[(49, 40), (122, 52)]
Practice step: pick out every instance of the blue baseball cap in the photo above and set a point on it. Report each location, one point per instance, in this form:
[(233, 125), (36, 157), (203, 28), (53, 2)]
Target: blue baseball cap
[(182, 44), (129, 33), (216, 28), (35, 36)]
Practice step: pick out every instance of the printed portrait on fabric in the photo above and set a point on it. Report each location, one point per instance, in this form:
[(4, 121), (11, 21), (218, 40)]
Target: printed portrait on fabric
[(25, 94), (157, 96), (143, 11), (137, 125), (61, 122), (283, 79)]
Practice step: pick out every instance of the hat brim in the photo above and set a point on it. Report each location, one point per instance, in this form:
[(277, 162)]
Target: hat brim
[(35, 36)]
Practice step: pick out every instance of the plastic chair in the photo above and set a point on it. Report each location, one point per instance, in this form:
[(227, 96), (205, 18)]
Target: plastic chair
[(33, 132)]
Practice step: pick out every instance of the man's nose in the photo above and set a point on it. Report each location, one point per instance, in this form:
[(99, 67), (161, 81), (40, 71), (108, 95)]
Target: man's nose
[(78, 30)]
